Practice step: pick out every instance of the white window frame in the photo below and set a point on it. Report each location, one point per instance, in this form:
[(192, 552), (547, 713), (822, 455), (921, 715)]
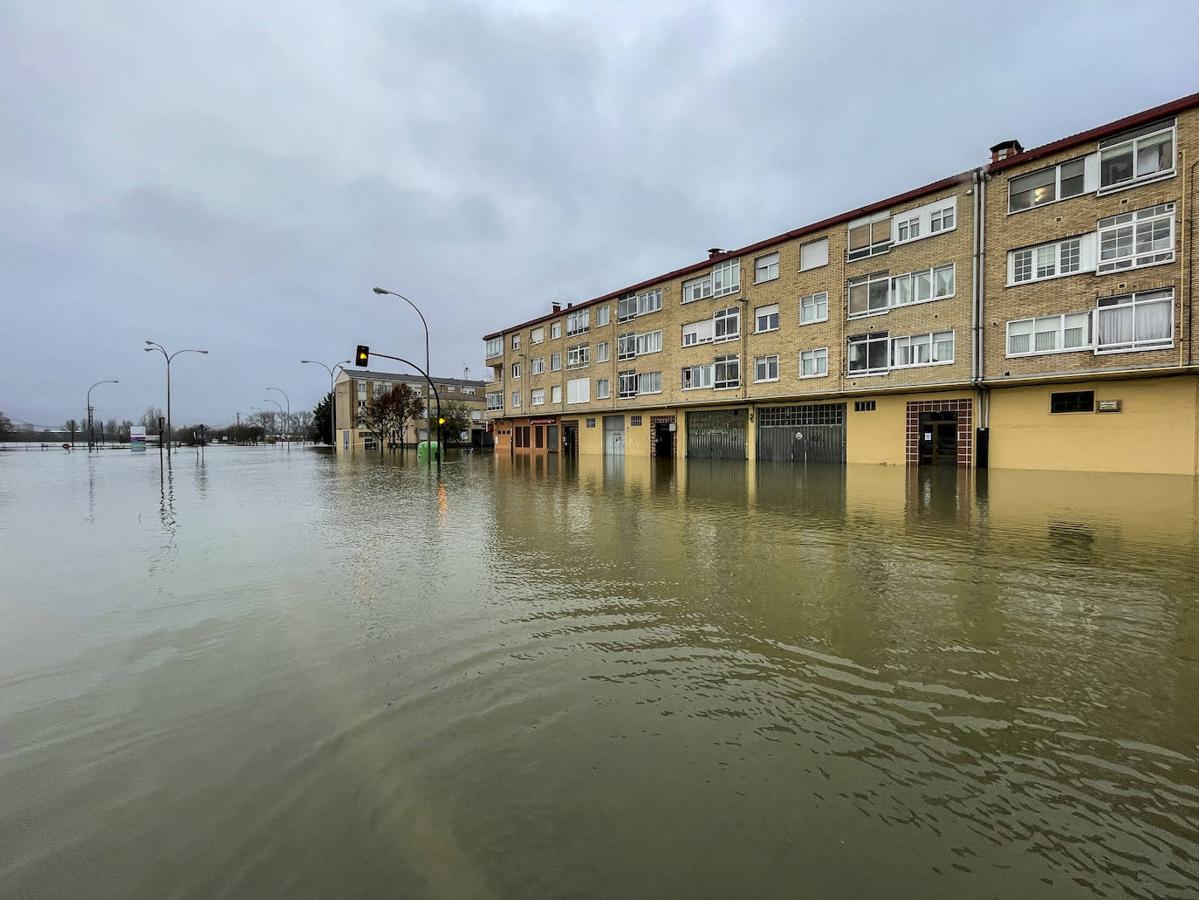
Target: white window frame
[(603, 315), (555, 362), (537, 397), (516, 342), (649, 383), (928, 339), (603, 389), (578, 322), (602, 349), (697, 288), (726, 278), (912, 279), (648, 342), (868, 280), (768, 312), (816, 248), (578, 356), (627, 376), (537, 335), (1134, 142), (818, 356), (556, 393), (516, 370), (555, 330), (1033, 255), (704, 332), (626, 345), (1134, 301), (907, 229), (766, 361), (516, 399), (878, 337), (766, 268), (723, 316), (816, 300), (1059, 321), (880, 234), (537, 365), (706, 373), (495, 400), (495, 347), (578, 390), (726, 383), (1111, 226), (1089, 176)]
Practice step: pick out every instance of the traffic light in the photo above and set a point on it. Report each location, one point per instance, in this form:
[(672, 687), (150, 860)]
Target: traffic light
[(441, 420), (363, 356)]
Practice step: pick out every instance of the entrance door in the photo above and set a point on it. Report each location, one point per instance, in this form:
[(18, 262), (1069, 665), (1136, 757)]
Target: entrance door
[(538, 437), (938, 438), (551, 438), (614, 435), (663, 440), (570, 438)]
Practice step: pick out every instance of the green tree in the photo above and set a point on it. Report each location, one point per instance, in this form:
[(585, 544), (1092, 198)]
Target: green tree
[(322, 418), (457, 420)]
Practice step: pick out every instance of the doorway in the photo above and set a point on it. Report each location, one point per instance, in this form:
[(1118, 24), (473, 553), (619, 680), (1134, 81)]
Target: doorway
[(614, 435), (663, 437), (938, 444), (551, 438), (570, 438)]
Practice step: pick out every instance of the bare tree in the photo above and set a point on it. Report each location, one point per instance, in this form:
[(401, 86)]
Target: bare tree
[(72, 426), (389, 413), (150, 419)]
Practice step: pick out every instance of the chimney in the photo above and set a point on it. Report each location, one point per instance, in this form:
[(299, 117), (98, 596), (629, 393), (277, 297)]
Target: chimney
[(556, 307), (1004, 149), (714, 251), (569, 305)]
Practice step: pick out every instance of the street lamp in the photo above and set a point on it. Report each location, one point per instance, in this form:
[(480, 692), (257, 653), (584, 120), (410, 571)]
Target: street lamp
[(277, 403), (91, 439), (381, 291), (332, 398), (287, 421), (151, 345)]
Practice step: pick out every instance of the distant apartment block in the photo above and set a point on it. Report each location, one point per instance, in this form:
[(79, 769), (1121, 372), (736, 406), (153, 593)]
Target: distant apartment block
[(355, 388), (1033, 312)]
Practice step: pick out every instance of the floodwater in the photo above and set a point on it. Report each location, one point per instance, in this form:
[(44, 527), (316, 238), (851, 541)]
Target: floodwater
[(274, 673)]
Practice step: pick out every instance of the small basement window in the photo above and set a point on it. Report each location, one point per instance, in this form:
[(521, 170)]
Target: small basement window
[(591, 423), (1072, 402), (863, 406), (635, 421)]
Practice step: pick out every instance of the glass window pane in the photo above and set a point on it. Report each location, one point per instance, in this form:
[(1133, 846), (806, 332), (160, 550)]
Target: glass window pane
[(1115, 165)]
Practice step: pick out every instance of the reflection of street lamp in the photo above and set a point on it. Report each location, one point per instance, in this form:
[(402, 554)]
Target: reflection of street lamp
[(278, 404), (150, 345), (91, 439), (380, 290), (332, 397), (287, 421)]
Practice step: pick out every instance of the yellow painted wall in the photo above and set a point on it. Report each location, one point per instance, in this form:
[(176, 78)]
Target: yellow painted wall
[(1155, 431), (878, 437), (591, 440)]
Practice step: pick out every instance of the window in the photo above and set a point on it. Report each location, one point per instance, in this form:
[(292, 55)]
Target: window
[(917, 287), (627, 384), (495, 400), (934, 348), (603, 389), (1053, 260), (516, 342), (727, 372), (578, 390), (870, 238), (727, 324), (516, 370), (725, 278), (537, 397), (495, 346), (591, 423), (626, 346), (555, 362), (537, 335), (766, 268), (634, 421), (942, 219), (865, 405), (603, 315), (908, 229), (578, 322), (601, 351), (766, 318), (698, 376), (698, 333), (650, 342), (813, 363), (649, 383), (578, 356), (1134, 239), (813, 255), (1134, 322), (697, 289), (515, 399), (868, 354), (813, 308), (1137, 156), (632, 305), (766, 368), (1055, 183), (556, 393), (537, 365), (868, 294), (1049, 334), (555, 330), (1072, 401)]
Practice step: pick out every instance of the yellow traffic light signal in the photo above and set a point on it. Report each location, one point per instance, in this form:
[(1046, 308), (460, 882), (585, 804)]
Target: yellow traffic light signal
[(363, 356), (441, 421)]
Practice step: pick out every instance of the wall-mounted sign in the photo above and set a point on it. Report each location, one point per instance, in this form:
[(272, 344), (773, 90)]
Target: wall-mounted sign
[(1107, 406)]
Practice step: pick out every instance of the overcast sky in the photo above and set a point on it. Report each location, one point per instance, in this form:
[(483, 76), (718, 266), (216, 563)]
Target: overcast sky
[(237, 176)]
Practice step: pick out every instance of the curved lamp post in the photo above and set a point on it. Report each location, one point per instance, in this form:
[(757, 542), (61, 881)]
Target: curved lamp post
[(91, 437), (287, 421), (332, 370), (151, 345), (382, 291), (277, 403)]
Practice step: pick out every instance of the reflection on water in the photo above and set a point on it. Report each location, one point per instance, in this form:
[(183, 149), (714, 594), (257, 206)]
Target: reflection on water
[(596, 677)]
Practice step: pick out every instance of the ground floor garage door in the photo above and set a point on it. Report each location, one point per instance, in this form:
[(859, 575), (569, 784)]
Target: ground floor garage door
[(716, 434), (812, 433)]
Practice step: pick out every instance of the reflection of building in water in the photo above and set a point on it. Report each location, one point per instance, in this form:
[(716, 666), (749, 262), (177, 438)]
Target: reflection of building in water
[(1030, 313)]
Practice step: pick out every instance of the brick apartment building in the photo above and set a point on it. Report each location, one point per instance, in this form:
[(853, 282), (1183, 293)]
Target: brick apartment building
[(354, 388), (1035, 312)]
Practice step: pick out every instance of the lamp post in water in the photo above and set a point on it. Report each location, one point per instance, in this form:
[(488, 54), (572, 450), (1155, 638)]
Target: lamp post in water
[(332, 370), (287, 421), (151, 345), (91, 438), (382, 291), (277, 403)]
